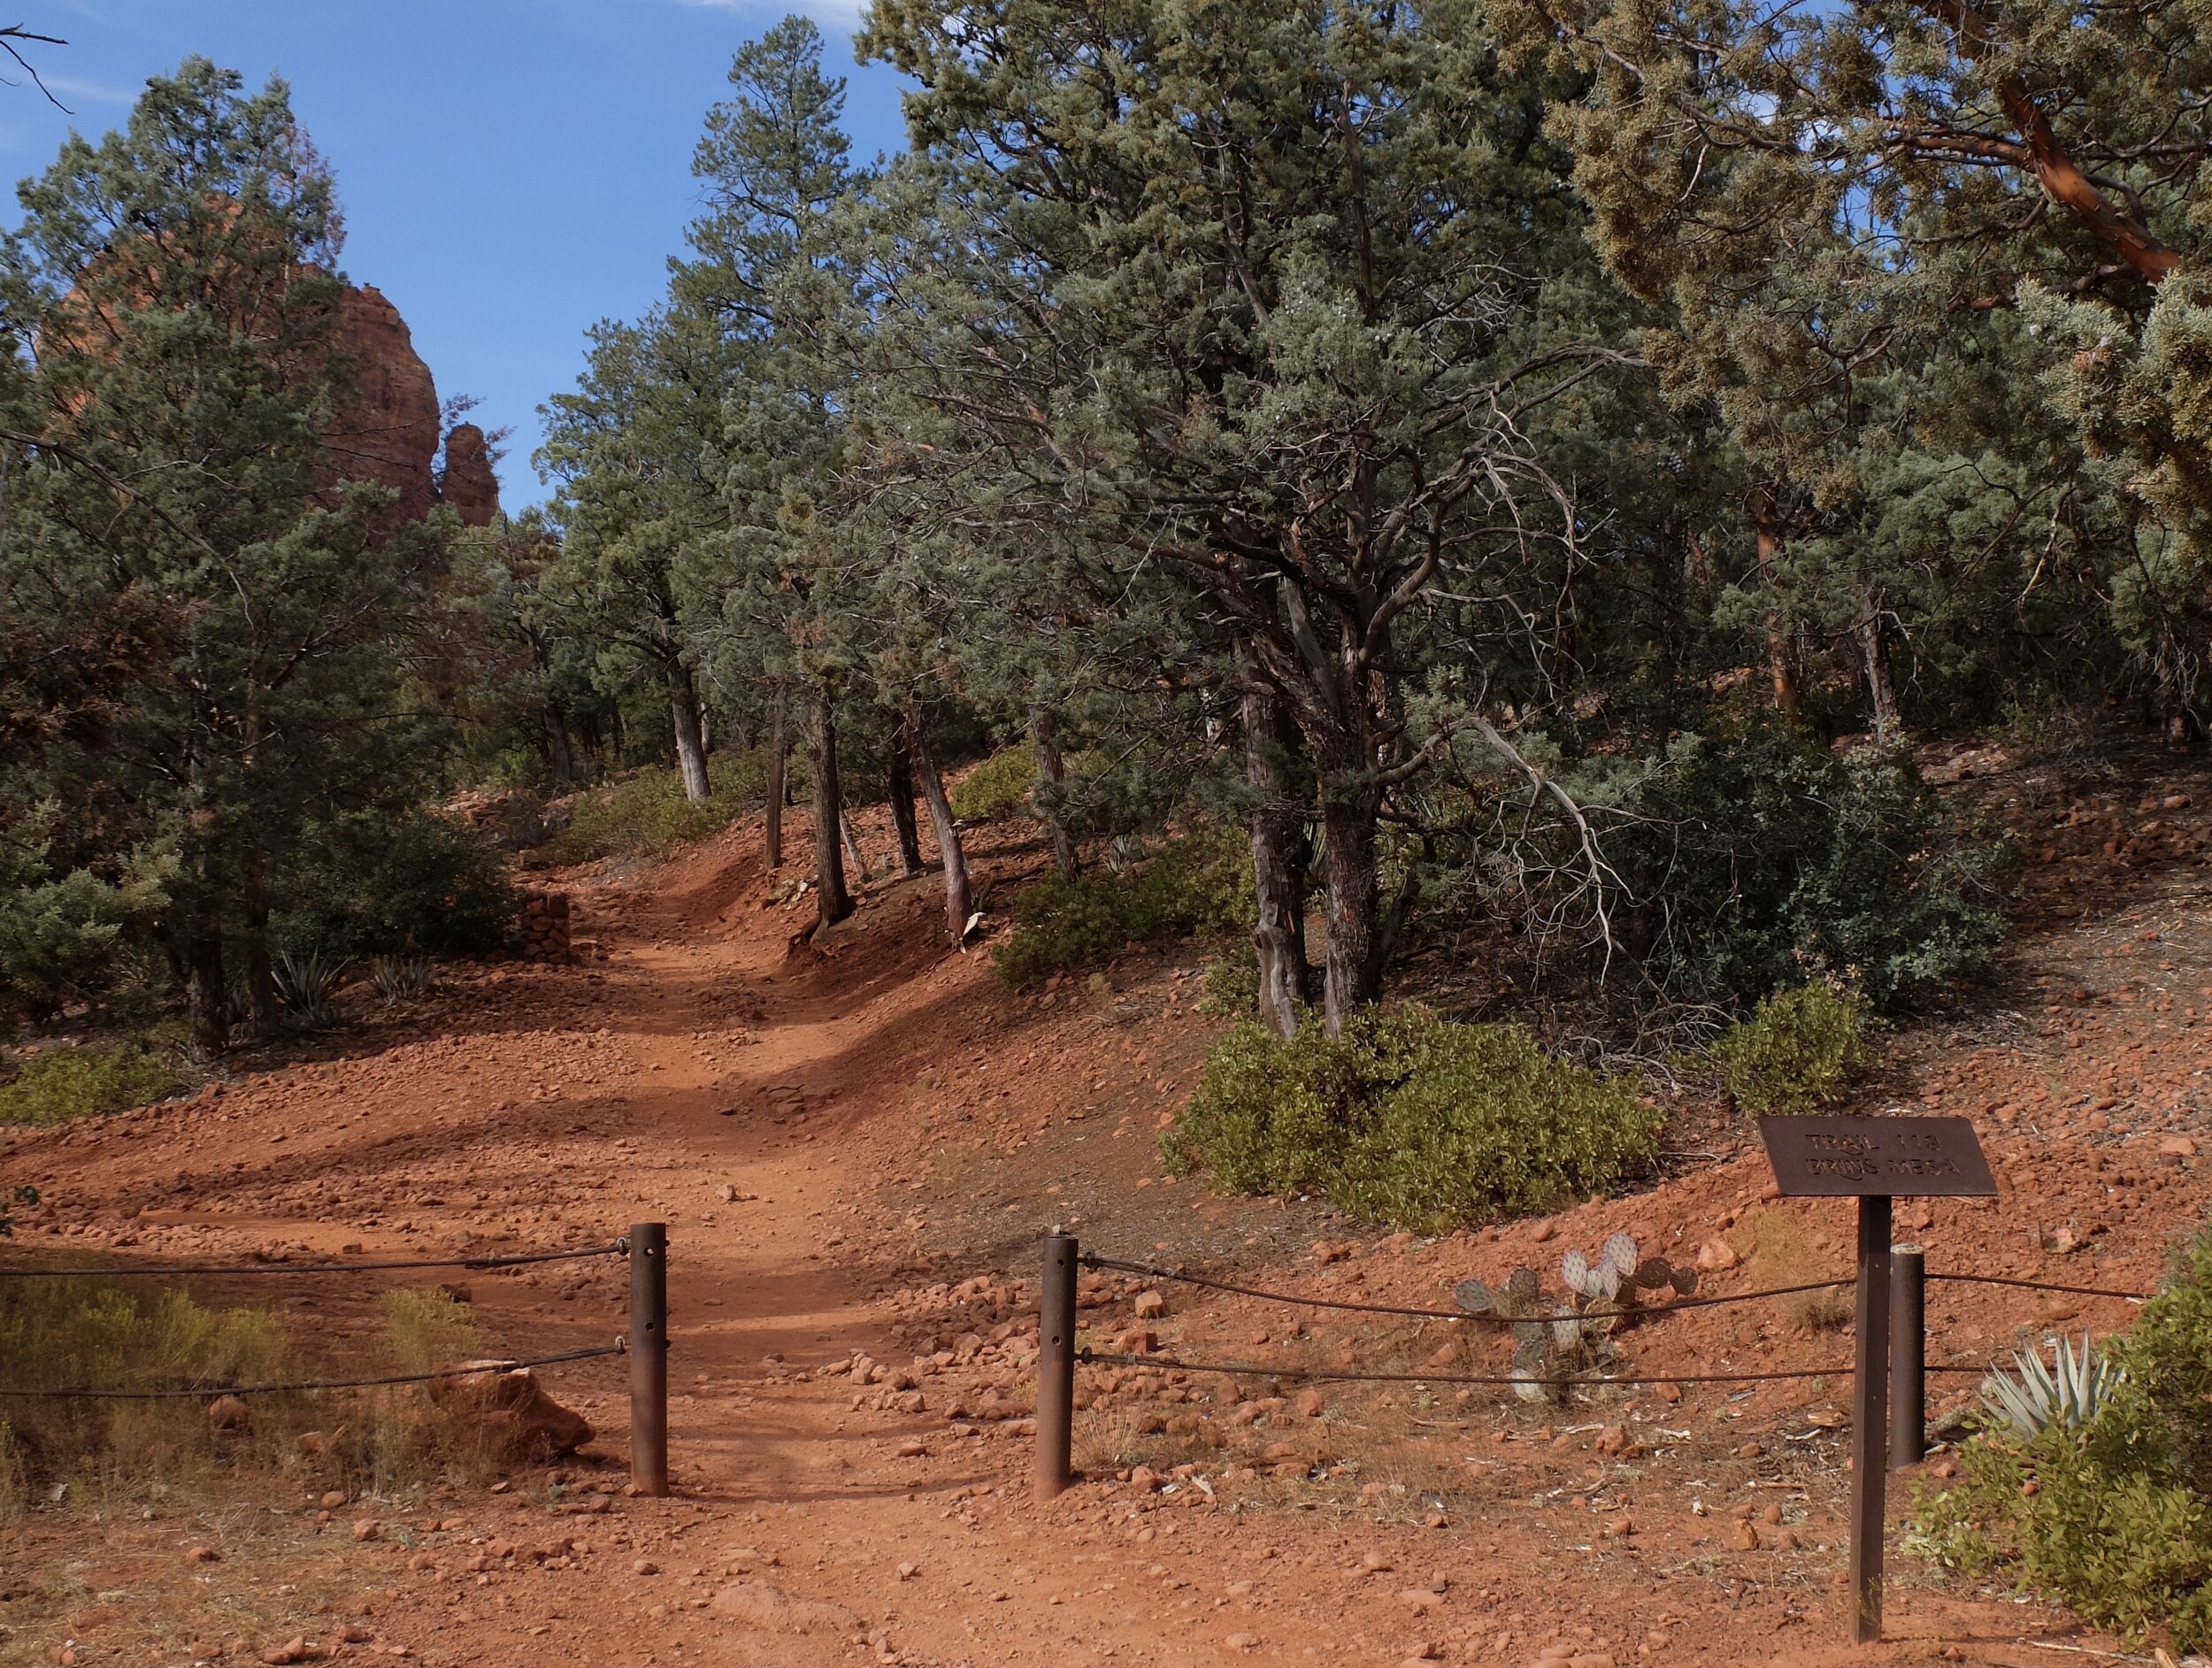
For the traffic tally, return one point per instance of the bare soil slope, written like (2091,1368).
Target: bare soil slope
(857,1146)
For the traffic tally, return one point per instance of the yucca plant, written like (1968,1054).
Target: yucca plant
(307,983)
(2068,1393)
(395,977)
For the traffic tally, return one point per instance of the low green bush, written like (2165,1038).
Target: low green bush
(997,788)
(2114,1517)
(70,937)
(645,814)
(1799,1050)
(1761,854)
(61,1083)
(1200,886)
(1409,1120)
(373,886)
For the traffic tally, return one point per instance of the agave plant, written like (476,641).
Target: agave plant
(307,983)
(395,977)
(2068,1393)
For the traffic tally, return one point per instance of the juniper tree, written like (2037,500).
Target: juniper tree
(1252,298)
(635,497)
(1891,232)
(170,296)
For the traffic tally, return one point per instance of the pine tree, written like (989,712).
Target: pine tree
(173,294)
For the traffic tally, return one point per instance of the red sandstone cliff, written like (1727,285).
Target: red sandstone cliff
(389,435)
(469,485)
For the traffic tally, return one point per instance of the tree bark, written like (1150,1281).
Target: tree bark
(266,1013)
(834,902)
(779,749)
(852,848)
(1279,859)
(901,783)
(1352,975)
(959,899)
(1874,658)
(560,752)
(1782,662)
(206,990)
(691,744)
(1054,769)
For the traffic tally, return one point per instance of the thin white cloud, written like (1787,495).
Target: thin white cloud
(832,11)
(77,89)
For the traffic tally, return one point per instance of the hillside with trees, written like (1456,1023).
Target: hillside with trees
(1582,571)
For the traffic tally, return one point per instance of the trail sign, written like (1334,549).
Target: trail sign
(1873,1160)
(1898,1157)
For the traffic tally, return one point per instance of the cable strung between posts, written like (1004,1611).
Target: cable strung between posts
(1645,1310)
(620,1248)
(1171,1364)
(2040,1286)
(209,1393)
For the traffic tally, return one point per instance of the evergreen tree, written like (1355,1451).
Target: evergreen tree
(172,295)
(1257,300)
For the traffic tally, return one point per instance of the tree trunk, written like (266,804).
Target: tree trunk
(959,900)
(691,745)
(852,850)
(1782,662)
(1280,858)
(265,1011)
(206,989)
(1352,977)
(779,749)
(1054,769)
(560,753)
(1874,657)
(901,773)
(834,902)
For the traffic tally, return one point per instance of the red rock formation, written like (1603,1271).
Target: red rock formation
(390,433)
(469,485)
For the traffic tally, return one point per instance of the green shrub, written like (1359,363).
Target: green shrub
(370,886)
(68,938)
(998,787)
(1761,854)
(645,814)
(1799,1050)
(1409,1120)
(1200,886)
(2114,1517)
(65,1083)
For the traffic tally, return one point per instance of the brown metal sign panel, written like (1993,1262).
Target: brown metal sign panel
(1848,1158)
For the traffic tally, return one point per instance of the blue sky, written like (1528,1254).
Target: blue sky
(512,170)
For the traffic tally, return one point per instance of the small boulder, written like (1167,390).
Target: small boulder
(227,1413)
(509,1411)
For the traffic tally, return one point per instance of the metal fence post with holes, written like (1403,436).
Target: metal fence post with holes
(1870,1419)
(648,1357)
(1056,1367)
(1875,1160)
(1908,1357)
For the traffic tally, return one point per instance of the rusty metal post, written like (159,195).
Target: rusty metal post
(1870,1420)
(1908,1357)
(1056,1367)
(648,1357)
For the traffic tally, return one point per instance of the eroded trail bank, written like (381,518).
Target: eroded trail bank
(856,1148)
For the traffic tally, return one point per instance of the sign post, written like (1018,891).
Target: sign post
(1873,1160)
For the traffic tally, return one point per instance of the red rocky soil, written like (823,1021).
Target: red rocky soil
(856,1151)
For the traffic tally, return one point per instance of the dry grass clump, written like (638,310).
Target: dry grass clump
(1777,1244)
(84,1333)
